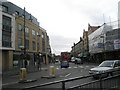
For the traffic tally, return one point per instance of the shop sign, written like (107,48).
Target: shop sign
(117,44)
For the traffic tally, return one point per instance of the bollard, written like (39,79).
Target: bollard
(52,71)
(23,74)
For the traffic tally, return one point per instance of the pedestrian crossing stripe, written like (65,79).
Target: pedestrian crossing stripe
(82,67)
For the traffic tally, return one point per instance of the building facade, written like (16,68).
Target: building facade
(104,42)
(77,49)
(7,37)
(22,38)
(91,29)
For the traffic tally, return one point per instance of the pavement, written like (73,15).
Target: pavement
(30,77)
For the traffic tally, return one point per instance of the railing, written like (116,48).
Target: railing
(111,82)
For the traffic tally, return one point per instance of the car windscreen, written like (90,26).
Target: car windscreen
(106,64)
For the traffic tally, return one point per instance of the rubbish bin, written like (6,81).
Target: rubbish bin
(52,71)
(23,74)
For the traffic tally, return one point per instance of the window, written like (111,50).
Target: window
(19,42)
(19,27)
(43,45)
(42,35)
(6,23)
(33,33)
(27,31)
(4,8)
(38,46)
(16,12)
(38,36)
(15,63)
(6,40)
(37,33)
(27,44)
(34,45)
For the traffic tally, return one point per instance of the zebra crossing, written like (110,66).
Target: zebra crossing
(75,67)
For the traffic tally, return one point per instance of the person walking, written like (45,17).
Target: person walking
(25,63)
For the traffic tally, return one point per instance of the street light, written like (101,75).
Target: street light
(24,46)
(38,55)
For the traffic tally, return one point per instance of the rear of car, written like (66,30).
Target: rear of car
(64,64)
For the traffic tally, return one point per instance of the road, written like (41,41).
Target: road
(60,74)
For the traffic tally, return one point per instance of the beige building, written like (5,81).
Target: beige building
(85,40)
(22,39)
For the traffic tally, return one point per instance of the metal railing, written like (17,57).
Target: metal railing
(111,82)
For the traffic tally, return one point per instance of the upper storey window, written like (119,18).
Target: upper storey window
(4,8)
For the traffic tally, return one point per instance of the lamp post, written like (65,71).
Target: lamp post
(25,62)
(24,34)
(38,55)
(23,48)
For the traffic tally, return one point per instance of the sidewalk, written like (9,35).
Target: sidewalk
(6,80)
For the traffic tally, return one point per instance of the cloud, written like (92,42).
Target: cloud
(60,44)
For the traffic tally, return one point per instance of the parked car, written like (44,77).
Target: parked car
(73,59)
(64,64)
(78,61)
(57,60)
(105,66)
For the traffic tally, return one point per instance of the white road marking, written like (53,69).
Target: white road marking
(57,68)
(81,66)
(9,83)
(87,66)
(67,75)
(75,67)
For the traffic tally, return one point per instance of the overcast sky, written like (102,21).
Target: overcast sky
(64,20)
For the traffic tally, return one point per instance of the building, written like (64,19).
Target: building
(104,42)
(91,29)
(85,40)
(7,37)
(22,38)
(77,49)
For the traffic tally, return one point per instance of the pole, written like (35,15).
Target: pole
(38,56)
(24,34)
(24,42)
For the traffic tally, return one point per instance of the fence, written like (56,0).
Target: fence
(111,82)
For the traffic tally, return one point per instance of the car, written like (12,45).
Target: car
(73,59)
(57,60)
(78,61)
(105,66)
(64,64)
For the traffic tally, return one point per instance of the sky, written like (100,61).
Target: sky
(65,20)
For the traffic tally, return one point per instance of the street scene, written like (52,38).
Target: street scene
(59,44)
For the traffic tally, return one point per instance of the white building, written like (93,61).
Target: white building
(7,36)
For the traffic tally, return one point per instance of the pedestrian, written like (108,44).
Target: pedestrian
(25,63)
(38,65)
